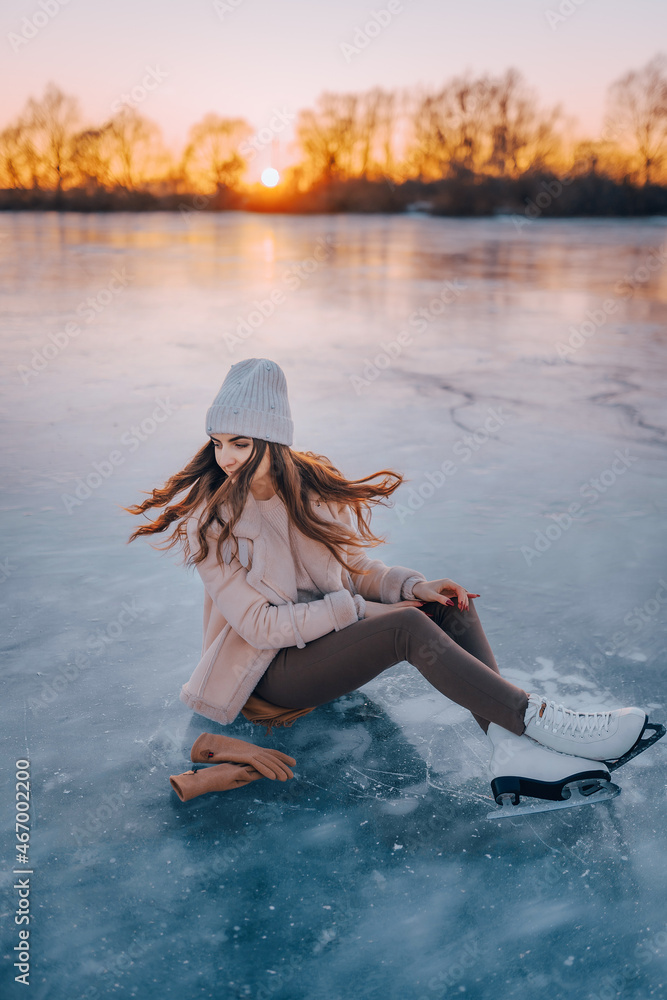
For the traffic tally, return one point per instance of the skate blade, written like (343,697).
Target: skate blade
(657,731)
(576,798)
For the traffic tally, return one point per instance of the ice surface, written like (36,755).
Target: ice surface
(373,873)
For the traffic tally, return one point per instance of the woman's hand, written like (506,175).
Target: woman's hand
(374,608)
(433,590)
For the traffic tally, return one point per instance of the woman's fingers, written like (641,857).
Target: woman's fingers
(435,595)
(467,600)
(462,598)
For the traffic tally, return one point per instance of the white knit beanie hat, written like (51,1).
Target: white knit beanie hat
(253,401)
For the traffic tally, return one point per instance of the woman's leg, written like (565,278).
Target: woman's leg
(466,630)
(340,662)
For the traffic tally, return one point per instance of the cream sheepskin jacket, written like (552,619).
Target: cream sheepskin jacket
(251,609)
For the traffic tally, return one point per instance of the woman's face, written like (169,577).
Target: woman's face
(232,450)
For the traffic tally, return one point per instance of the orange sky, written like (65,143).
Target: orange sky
(263,60)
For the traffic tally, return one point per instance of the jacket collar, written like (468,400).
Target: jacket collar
(250,521)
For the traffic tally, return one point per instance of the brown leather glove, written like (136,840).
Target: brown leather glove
(210,747)
(212,779)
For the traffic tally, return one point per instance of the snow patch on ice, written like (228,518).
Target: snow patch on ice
(399,807)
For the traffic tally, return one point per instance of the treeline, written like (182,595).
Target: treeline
(477,146)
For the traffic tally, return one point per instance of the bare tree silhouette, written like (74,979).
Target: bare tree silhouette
(134,140)
(447,133)
(475,144)
(490,125)
(375,133)
(92,152)
(521,137)
(327,136)
(49,127)
(348,135)
(18,158)
(638,100)
(212,155)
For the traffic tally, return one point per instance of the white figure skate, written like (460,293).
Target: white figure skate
(596,735)
(519,766)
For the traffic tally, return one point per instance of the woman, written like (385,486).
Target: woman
(295,613)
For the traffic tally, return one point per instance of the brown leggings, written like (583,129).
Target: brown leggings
(450,649)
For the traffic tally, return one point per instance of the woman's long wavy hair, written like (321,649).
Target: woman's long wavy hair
(294,473)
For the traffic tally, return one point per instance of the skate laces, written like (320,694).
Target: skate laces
(561,720)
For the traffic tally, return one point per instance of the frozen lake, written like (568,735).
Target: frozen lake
(515,374)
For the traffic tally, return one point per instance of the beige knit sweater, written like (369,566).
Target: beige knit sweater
(274,512)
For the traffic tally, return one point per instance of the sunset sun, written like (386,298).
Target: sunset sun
(270,177)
